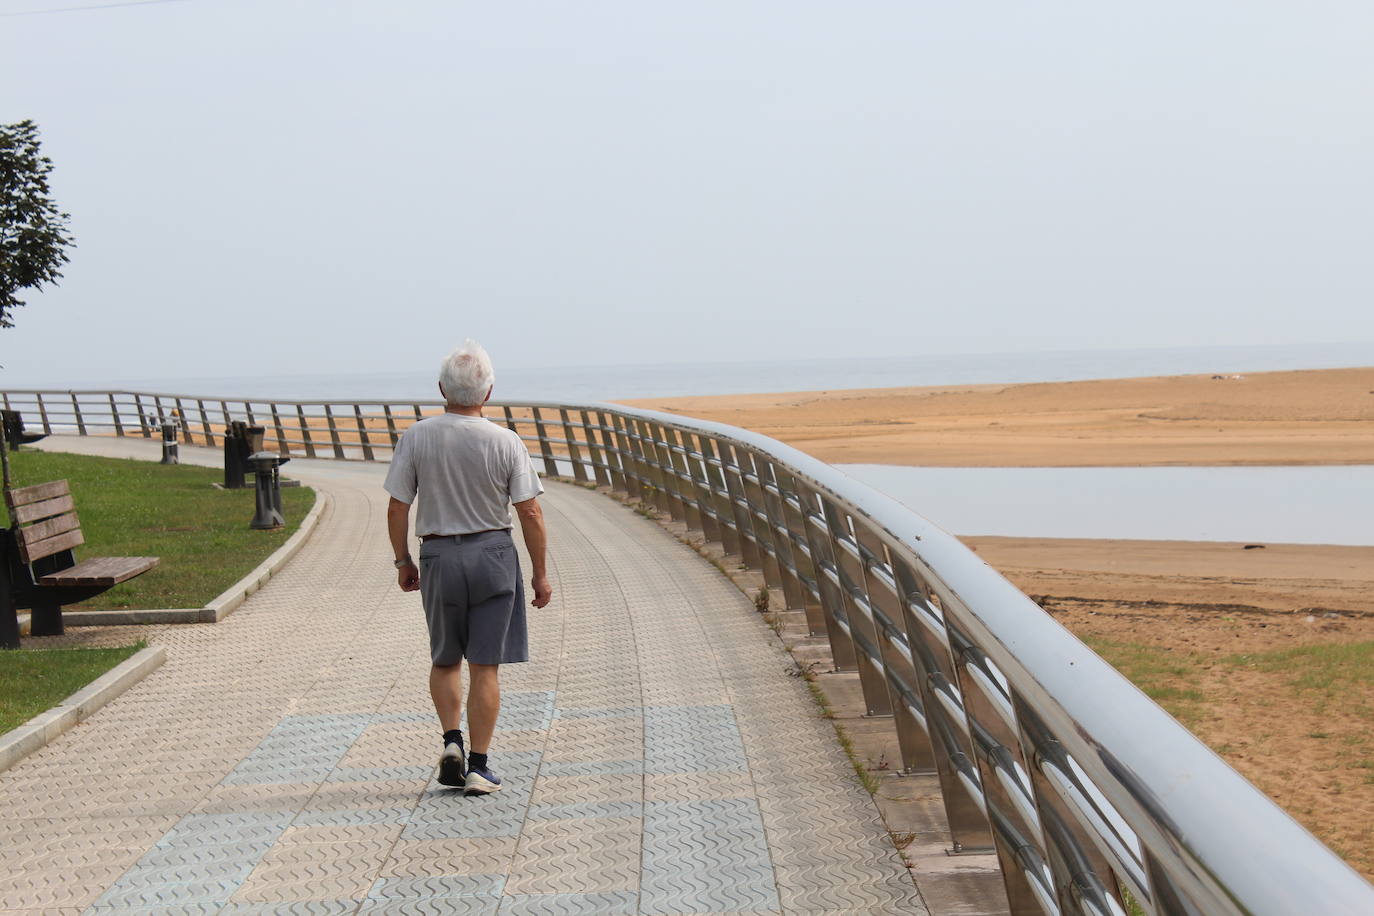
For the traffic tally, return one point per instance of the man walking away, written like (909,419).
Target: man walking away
(467,471)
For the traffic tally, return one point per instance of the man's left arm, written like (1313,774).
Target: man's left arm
(398,528)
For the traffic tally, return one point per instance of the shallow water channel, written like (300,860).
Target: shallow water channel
(1294,505)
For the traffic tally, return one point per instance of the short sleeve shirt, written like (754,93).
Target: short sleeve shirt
(466,472)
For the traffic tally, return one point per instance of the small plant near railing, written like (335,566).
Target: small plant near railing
(763,599)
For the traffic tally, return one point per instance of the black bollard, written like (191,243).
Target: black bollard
(267,514)
(169,443)
(234,455)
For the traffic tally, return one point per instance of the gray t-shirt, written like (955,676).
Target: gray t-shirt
(466,470)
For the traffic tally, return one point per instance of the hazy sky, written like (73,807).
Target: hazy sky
(269,186)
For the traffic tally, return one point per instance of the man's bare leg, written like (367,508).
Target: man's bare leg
(446,689)
(484,705)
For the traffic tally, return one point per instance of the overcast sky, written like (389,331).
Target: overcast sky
(269,186)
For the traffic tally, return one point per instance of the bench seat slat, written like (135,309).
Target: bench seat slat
(22,496)
(100,571)
(49,546)
(46,508)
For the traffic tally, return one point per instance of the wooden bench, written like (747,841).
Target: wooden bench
(39,570)
(15,434)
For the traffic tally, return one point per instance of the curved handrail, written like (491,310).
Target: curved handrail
(1081,783)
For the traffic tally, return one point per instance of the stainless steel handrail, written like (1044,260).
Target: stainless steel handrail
(1043,751)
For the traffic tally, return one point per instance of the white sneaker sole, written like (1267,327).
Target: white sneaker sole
(477,785)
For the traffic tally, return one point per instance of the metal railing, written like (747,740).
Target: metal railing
(1081,784)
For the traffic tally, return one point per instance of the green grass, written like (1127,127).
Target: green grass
(1337,671)
(137,508)
(33,680)
(1168,678)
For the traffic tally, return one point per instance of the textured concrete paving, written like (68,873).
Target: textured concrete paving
(658,756)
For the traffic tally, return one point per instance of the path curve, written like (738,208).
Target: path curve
(659,756)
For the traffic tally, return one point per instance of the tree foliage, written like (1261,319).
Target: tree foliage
(33,232)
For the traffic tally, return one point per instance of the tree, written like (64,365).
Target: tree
(33,232)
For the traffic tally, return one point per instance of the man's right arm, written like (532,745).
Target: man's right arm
(532,527)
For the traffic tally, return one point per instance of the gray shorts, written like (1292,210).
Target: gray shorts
(474,599)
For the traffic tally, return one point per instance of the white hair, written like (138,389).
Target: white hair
(466,375)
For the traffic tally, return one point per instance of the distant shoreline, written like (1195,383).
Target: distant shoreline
(1304,417)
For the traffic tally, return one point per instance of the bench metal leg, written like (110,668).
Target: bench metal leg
(9,625)
(46,620)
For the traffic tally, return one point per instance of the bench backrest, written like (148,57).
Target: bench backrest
(45,520)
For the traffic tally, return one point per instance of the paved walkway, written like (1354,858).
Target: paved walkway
(658,756)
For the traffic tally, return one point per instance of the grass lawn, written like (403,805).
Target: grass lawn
(138,508)
(33,680)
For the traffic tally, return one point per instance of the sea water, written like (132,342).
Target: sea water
(616,382)
(1290,505)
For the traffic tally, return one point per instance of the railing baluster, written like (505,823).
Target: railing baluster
(305,431)
(362,433)
(334,432)
(574,455)
(76,412)
(142,417)
(114,415)
(390,426)
(283,447)
(550,466)
(205,423)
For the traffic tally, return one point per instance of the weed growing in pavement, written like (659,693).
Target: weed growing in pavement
(762,599)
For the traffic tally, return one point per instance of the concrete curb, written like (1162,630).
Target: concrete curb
(223,605)
(46,726)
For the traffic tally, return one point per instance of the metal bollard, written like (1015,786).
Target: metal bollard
(235,455)
(266,468)
(169,443)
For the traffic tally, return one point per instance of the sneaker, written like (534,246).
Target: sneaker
(453,765)
(481,782)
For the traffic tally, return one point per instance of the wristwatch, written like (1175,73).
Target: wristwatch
(407,561)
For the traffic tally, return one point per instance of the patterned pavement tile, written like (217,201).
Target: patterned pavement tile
(657,758)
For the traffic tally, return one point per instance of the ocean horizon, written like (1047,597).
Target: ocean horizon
(624,382)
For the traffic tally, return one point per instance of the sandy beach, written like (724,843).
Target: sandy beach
(1232,640)
(1307,417)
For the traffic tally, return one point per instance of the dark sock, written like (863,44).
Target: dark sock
(477,761)
(453,736)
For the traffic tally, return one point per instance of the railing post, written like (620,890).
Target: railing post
(305,431)
(947,722)
(205,423)
(677,468)
(334,432)
(636,481)
(43,414)
(695,460)
(762,525)
(574,455)
(181,421)
(362,433)
(142,417)
(391,426)
(750,552)
(726,526)
(283,447)
(114,416)
(550,465)
(76,411)
(798,551)
(862,629)
(600,465)
(157,406)
(615,465)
